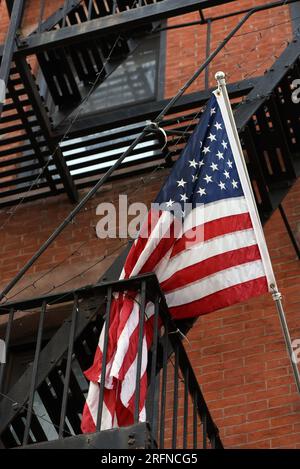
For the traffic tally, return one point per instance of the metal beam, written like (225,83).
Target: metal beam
(8,50)
(267,83)
(44,122)
(134,437)
(126,20)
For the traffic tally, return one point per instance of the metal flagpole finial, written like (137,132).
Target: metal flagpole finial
(221,80)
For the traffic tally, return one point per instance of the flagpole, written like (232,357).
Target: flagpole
(276,295)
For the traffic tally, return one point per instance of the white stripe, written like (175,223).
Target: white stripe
(210,248)
(204,213)
(125,336)
(216,282)
(128,384)
(247,189)
(124,339)
(225,208)
(92,402)
(143,415)
(161,229)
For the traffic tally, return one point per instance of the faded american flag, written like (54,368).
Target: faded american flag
(215,259)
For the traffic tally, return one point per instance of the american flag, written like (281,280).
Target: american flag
(214,257)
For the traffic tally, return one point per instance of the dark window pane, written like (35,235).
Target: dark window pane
(132,82)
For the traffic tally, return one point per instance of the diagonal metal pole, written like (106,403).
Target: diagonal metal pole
(129,150)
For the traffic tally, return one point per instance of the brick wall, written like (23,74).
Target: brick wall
(251,52)
(238,353)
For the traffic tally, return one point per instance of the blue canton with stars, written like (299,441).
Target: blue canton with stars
(206,170)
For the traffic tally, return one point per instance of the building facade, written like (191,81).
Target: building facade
(238,354)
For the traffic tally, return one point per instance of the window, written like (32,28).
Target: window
(138,79)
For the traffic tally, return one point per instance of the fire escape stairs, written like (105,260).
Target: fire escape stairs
(71,71)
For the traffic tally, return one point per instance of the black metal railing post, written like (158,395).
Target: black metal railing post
(185,408)
(90,9)
(175,398)
(165,344)
(204,430)
(34,372)
(6,344)
(104,358)
(68,368)
(195,421)
(140,351)
(152,385)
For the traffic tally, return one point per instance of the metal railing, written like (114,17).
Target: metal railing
(46,402)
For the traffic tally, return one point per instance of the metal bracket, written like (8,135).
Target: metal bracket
(153,127)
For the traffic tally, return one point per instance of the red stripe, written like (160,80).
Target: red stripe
(87,423)
(143,394)
(125,311)
(131,353)
(212,229)
(211,266)
(221,299)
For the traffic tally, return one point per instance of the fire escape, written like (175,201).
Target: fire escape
(77,49)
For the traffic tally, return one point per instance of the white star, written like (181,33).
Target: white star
(222,185)
(214,167)
(201,191)
(213,111)
(229,164)
(226,174)
(181,183)
(218,126)
(212,137)
(207,178)
(201,163)
(193,163)
(200,144)
(194,177)
(184,198)
(234,184)
(220,155)
(224,144)
(206,150)
(170,203)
